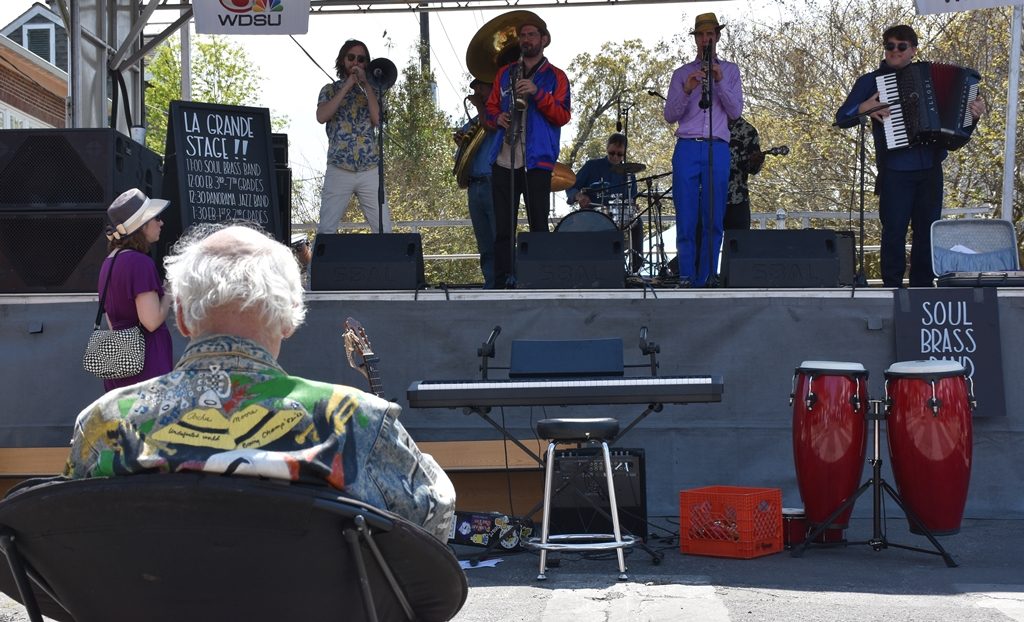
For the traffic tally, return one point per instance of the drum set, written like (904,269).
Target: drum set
(927,405)
(614,208)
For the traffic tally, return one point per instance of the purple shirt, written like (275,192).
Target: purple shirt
(726,102)
(134,274)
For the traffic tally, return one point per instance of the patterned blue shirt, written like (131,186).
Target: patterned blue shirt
(353,143)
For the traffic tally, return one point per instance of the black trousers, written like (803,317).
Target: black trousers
(535,185)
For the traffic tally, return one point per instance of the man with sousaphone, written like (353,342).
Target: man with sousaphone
(527,109)
(473,172)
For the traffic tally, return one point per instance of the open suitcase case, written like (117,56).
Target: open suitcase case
(975,252)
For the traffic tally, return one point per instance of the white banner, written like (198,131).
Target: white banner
(251,17)
(925,7)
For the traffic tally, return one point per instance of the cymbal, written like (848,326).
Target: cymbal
(628,167)
(562,177)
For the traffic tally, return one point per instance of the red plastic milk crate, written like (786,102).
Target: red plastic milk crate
(730,521)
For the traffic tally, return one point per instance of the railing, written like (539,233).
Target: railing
(759,220)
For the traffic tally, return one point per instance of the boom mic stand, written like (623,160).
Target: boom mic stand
(877,485)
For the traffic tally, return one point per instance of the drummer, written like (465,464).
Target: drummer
(598,184)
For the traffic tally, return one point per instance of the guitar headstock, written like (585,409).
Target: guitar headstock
(357,344)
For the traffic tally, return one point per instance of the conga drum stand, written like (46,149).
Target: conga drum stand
(877,485)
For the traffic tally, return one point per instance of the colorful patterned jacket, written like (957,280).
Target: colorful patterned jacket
(228,407)
(546,112)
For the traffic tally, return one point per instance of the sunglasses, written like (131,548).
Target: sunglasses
(901,46)
(359,58)
(617,153)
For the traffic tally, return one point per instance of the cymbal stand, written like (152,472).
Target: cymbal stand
(656,231)
(878,540)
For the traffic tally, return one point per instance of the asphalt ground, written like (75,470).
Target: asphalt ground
(845,582)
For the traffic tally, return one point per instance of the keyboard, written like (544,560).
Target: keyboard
(894,126)
(564,391)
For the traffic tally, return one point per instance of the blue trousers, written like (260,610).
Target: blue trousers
(481,212)
(914,199)
(696,221)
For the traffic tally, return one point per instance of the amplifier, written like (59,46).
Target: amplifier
(579,476)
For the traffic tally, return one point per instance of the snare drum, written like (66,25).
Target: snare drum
(585,220)
(622,212)
(830,401)
(930,440)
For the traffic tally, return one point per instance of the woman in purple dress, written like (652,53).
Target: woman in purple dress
(136,295)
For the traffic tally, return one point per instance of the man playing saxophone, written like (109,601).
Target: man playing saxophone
(528,109)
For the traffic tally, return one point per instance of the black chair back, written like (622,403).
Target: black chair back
(203,547)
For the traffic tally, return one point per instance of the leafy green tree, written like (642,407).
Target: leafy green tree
(418,152)
(221,74)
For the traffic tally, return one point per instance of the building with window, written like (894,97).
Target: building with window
(33,70)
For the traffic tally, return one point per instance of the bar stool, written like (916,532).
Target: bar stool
(563,431)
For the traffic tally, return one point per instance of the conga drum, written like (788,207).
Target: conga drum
(830,401)
(930,440)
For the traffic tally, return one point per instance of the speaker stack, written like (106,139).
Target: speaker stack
(279,145)
(582,503)
(55,187)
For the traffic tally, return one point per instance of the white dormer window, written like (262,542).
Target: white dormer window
(40,39)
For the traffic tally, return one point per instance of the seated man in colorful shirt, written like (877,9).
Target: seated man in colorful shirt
(228,407)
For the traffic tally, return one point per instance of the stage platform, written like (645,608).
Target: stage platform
(753,339)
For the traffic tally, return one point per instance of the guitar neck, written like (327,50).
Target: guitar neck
(373,376)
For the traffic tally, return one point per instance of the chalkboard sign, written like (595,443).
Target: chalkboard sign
(220,166)
(958,324)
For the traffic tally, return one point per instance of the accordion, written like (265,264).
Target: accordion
(930,105)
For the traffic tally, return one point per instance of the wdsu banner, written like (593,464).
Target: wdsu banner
(251,17)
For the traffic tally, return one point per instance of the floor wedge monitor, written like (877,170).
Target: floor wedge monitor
(367,261)
(780,258)
(570,260)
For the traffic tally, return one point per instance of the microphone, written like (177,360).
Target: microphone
(654,93)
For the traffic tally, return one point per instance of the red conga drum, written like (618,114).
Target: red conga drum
(930,440)
(830,401)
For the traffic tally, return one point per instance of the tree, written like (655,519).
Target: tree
(221,73)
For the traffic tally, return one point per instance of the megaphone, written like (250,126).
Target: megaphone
(382,73)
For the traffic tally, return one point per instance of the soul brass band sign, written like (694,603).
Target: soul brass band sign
(221,163)
(958,324)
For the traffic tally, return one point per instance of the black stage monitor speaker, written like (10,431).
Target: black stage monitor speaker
(55,187)
(360,261)
(579,475)
(780,258)
(570,260)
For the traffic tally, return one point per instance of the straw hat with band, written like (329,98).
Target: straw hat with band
(702,21)
(130,212)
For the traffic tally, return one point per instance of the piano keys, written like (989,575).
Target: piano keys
(931,105)
(564,391)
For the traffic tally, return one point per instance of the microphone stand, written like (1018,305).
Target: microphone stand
(380,163)
(708,226)
(860,280)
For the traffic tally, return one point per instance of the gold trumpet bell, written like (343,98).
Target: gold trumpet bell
(496,44)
